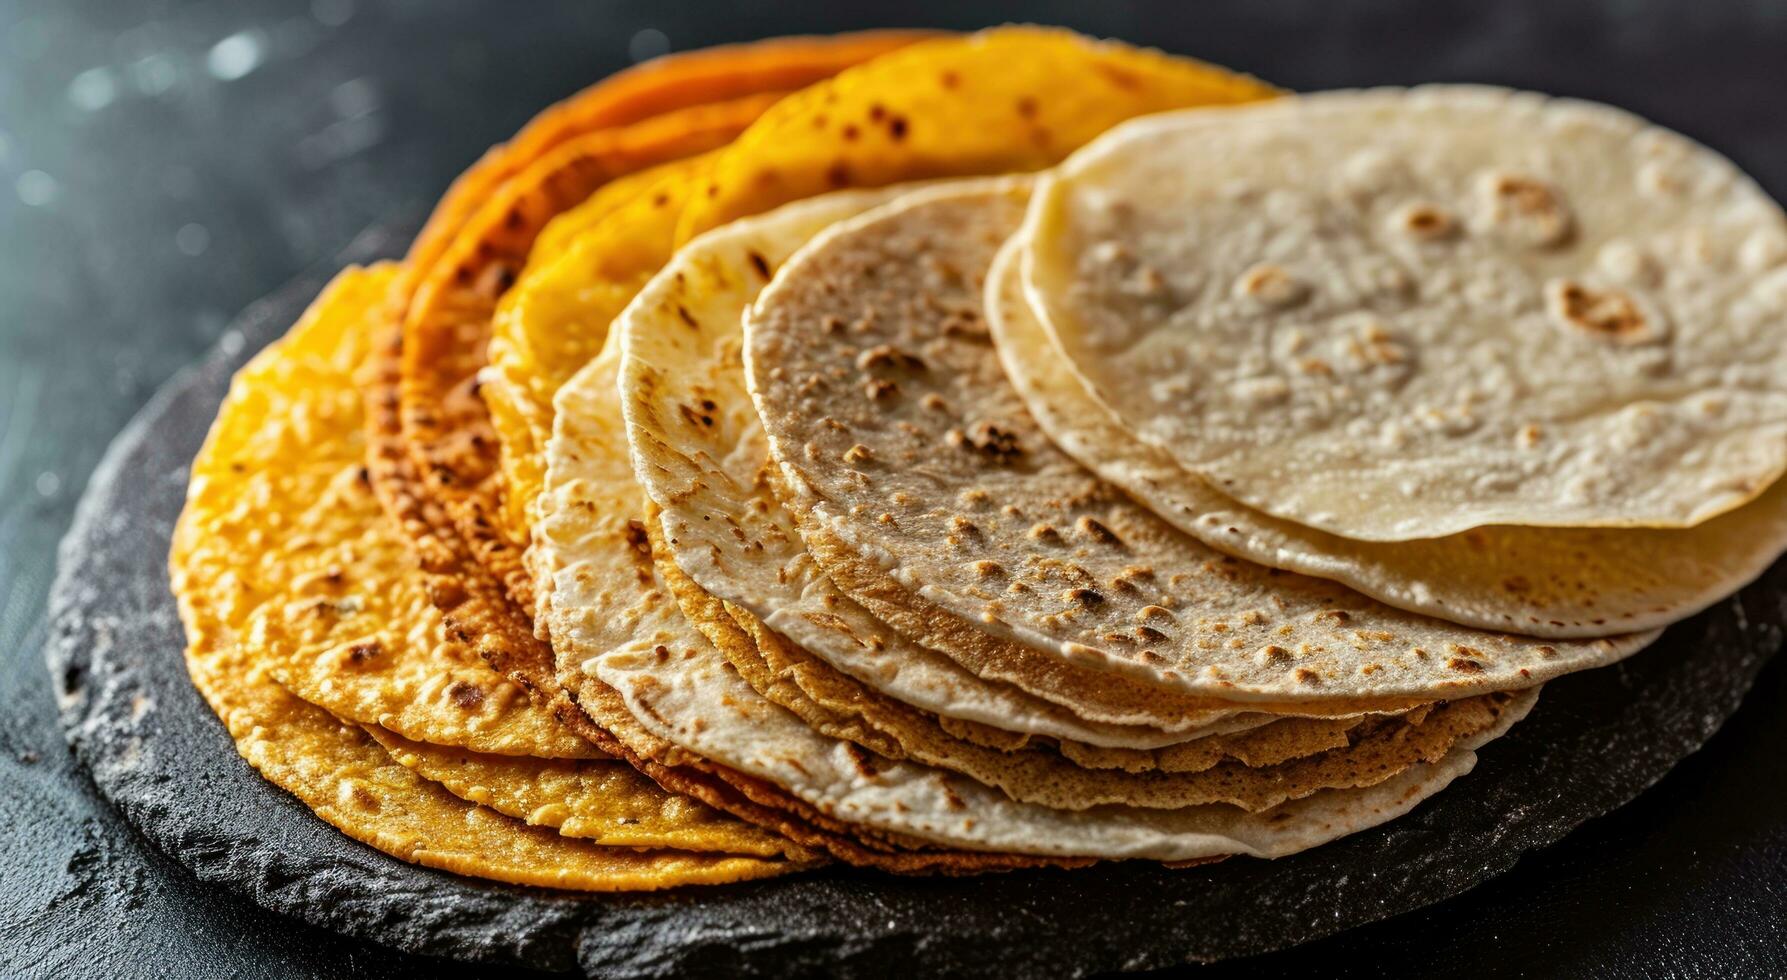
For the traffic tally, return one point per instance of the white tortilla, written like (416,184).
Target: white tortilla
(695,701)
(1400,314)
(1554,582)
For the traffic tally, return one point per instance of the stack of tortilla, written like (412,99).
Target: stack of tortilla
(962,453)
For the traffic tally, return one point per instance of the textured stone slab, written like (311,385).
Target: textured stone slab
(156,752)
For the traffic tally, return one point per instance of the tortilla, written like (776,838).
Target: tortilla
(698,450)
(402,672)
(1552,582)
(445,424)
(593,564)
(652,88)
(693,699)
(999,101)
(262,560)
(605,801)
(1401,314)
(1329,755)
(599,592)
(686,105)
(913,457)
(557,317)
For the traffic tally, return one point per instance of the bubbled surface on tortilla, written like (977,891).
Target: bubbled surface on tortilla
(883,398)
(1397,314)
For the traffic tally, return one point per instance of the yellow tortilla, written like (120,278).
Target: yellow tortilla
(263,559)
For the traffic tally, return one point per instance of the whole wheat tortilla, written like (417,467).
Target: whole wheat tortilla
(698,450)
(907,448)
(1399,314)
(693,699)
(1324,755)
(599,592)
(264,559)
(651,679)
(1555,582)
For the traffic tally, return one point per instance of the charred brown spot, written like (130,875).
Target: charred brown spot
(638,539)
(1092,528)
(361,653)
(888,356)
(760,263)
(687,317)
(878,389)
(1465,665)
(1084,597)
(1606,314)
(989,438)
(860,758)
(465,694)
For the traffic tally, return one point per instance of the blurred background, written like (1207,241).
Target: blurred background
(163,164)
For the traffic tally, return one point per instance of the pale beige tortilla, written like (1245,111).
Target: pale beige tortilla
(1322,755)
(1556,582)
(950,490)
(694,700)
(1400,314)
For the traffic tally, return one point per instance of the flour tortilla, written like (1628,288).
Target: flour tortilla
(695,700)
(1552,582)
(698,450)
(949,490)
(1398,314)
(1327,756)
(264,559)
(599,593)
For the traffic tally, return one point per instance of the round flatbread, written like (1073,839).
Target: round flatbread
(267,558)
(1399,314)
(693,699)
(1553,582)
(699,452)
(904,444)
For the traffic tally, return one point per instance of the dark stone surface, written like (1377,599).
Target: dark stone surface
(106,292)
(1595,741)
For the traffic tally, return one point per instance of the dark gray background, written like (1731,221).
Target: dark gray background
(147,195)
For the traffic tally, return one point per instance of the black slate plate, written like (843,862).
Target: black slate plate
(156,752)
